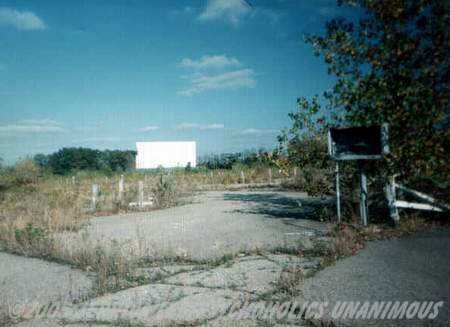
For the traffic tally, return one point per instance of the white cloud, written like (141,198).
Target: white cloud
(231,11)
(214,126)
(215,72)
(22,20)
(256,131)
(201,82)
(200,126)
(188,126)
(207,62)
(32,126)
(148,128)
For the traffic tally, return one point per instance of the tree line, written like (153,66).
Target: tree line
(67,160)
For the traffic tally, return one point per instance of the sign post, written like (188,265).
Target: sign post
(357,144)
(363,203)
(338,194)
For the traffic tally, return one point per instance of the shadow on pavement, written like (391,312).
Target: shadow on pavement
(279,205)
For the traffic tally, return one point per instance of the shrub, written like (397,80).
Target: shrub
(165,192)
(33,240)
(25,172)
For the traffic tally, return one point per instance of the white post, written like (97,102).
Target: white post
(270,175)
(242,177)
(121,187)
(141,194)
(94,196)
(391,199)
(295,171)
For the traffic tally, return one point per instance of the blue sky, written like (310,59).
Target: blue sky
(105,74)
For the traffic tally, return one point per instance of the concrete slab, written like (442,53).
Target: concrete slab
(217,223)
(25,280)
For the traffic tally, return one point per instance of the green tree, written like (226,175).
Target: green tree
(305,142)
(41,160)
(392,65)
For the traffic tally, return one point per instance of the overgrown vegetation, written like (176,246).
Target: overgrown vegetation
(392,65)
(229,160)
(35,204)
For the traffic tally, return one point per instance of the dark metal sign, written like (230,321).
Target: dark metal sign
(358,143)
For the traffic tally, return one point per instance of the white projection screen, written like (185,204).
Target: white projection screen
(152,155)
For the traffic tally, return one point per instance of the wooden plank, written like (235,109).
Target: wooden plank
(416,193)
(418,206)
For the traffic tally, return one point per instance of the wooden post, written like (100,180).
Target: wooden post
(141,194)
(295,171)
(338,194)
(121,187)
(242,177)
(363,206)
(94,196)
(73,180)
(391,198)
(270,175)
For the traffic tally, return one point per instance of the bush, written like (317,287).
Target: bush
(165,193)
(34,240)
(25,172)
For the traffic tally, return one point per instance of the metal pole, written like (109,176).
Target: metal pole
(363,206)
(338,194)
